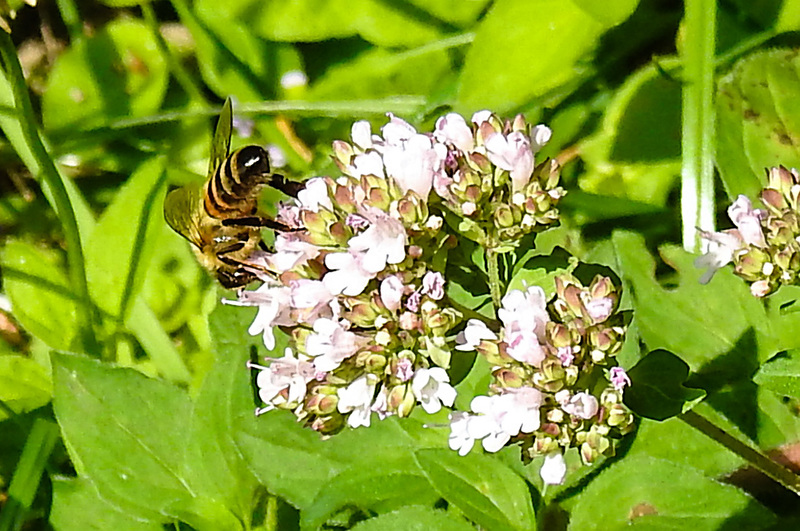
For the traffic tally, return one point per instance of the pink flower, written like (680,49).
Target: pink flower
(288,374)
(619,378)
(721,247)
(404,369)
(392,290)
(346,274)
(511,153)
(273,301)
(331,343)
(581,405)
(290,252)
(453,129)
(748,221)
(433,285)
(384,242)
(311,299)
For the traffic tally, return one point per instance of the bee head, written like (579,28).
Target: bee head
(252,160)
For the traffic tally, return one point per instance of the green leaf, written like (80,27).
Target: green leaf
(78,507)
(116,73)
(657,390)
(317,20)
(214,465)
(379,73)
(24,384)
(781,374)
(40,295)
(414,518)
(388,486)
(119,250)
(541,271)
(636,152)
(758,116)
(655,494)
(124,431)
(697,322)
(484,489)
(505,66)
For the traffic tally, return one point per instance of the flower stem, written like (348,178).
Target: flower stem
(494,277)
(697,174)
(774,470)
(49,176)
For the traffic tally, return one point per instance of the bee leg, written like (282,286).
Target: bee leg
(290,188)
(258,221)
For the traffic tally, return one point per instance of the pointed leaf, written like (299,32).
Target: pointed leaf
(484,489)
(657,390)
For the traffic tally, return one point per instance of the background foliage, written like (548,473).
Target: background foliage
(128,391)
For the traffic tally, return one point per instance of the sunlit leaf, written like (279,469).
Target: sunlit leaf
(118,72)
(24,384)
(481,487)
(758,117)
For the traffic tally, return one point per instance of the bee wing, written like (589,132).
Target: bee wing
(221,144)
(181,212)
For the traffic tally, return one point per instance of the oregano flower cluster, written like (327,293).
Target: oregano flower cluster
(764,246)
(360,286)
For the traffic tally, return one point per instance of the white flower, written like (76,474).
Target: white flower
(481,116)
(748,221)
(599,309)
(361,133)
(524,318)
(460,437)
(315,195)
(369,163)
(392,291)
(525,310)
(356,399)
(290,252)
(288,374)
(453,129)
(346,274)
(720,249)
(513,154)
(331,343)
(503,416)
(273,301)
(433,285)
(384,242)
(475,332)
(293,79)
(432,389)
(581,405)
(414,163)
(554,469)
(381,404)
(540,135)
(311,299)
(397,130)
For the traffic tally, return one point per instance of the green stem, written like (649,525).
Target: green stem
(50,177)
(495,288)
(697,174)
(72,18)
(25,482)
(778,472)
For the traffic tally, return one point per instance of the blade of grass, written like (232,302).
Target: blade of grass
(47,172)
(25,482)
(697,174)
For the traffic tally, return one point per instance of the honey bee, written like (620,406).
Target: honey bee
(220,218)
